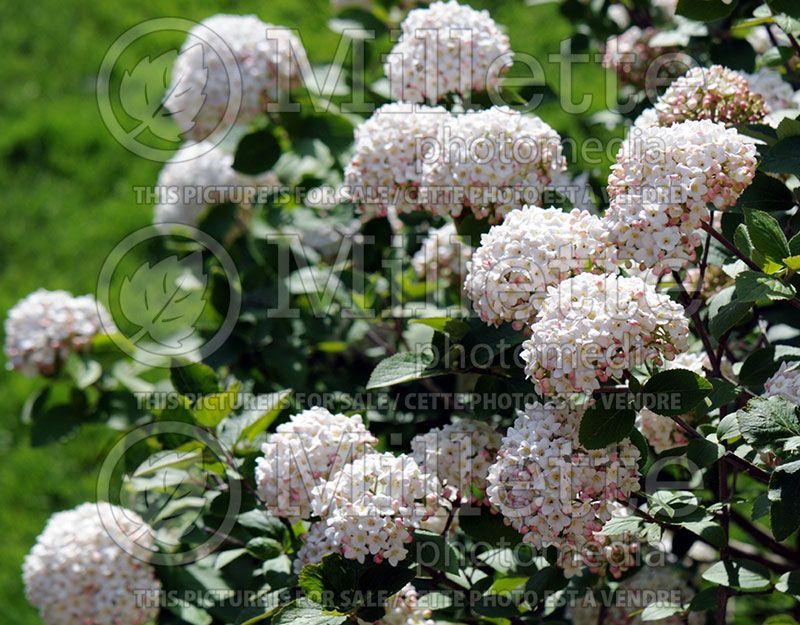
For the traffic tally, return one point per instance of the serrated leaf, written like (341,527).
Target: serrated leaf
(766,422)
(766,234)
(763,363)
(765,193)
(729,316)
(753,286)
(658,611)
(155,299)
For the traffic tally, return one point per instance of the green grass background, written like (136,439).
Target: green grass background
(67,198)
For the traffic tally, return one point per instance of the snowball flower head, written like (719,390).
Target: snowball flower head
(631,56)
(592,328)
(385,171)
(442,255)
(459,454)
(533,249)
(785,383)
(85,568)
(198,176)
(229,68)
(447,48)
(45,327)
(303,453)
(770,85)
(640,588)
(558,494)
(491,162)
(662,183)
(716,93)
(371,507)
(662,432)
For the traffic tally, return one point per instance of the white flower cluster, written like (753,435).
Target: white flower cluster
(554,492)
(592,328)
(491,162)
(386,168)
(402,609)
(647,582)
(662,183)
(716,93)
(198,176)
(45,327)
(458,455)
(785,383)
(229,68)
(305,452)
(770,85)
(372,506)
(533,249)
(442,255)
(444,49)
(662,432)
(84,568)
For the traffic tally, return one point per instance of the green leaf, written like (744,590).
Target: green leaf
(765,193)
(705,600)
(760,507)
(433,550)
(602,426)
(470,228)
(193,378)
(790,7)
(767,421)
(403,367)
(327,582)
(728,316)
(741,239)
(704,10)
(54,424)
(784,496)
(728,428)
(455,328)
(548,579)
(83,370)
(761,364)
(789,583)
(619,525)
(766,234)
(658,611)
(301,612)
(258,422)
(675,392)
(739,574)
(257,152)
(165,300)
(783,157)
(264,548)
(704,452)
(753,286)
(210,409)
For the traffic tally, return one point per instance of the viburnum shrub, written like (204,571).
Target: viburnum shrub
(472,377)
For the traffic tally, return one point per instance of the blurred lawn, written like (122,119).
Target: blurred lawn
(67,199)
